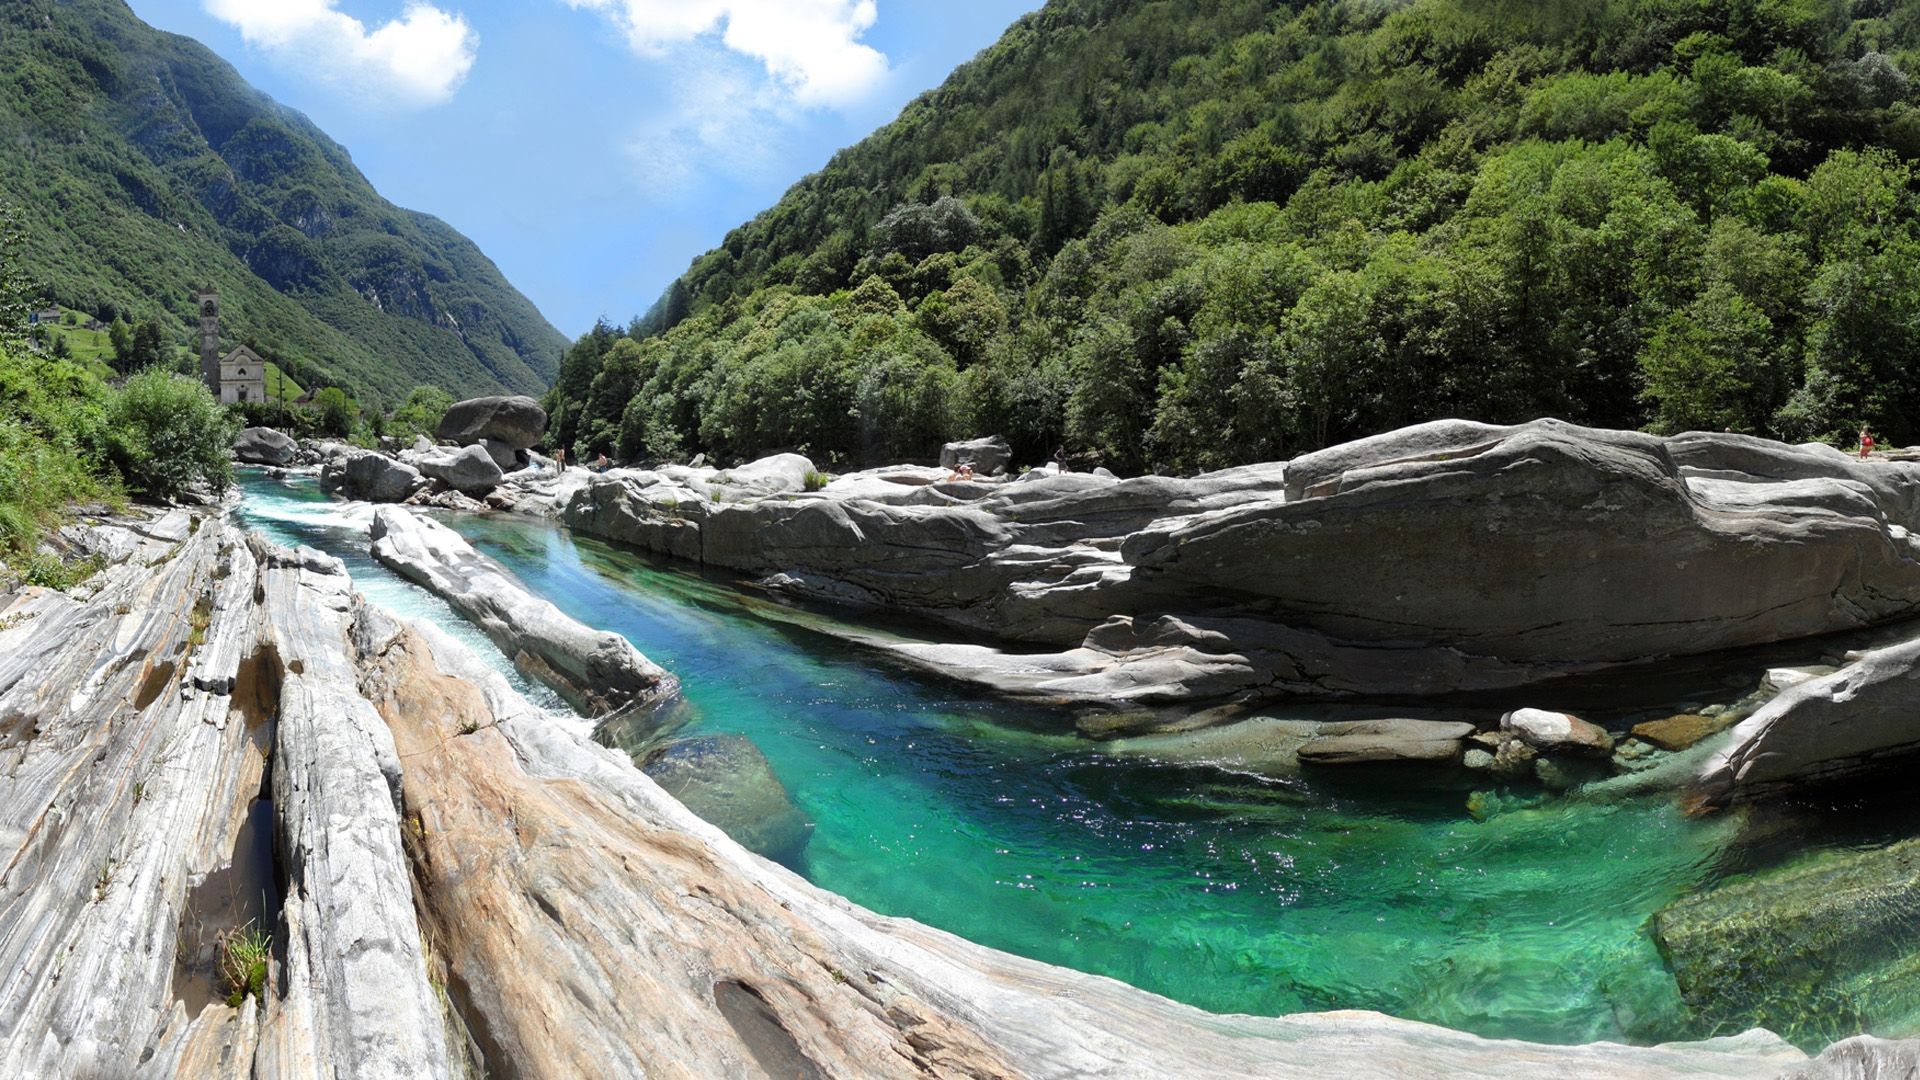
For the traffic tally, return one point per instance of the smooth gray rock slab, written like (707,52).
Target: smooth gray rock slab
(516,421)
(1365,742)
(1821,729)
(265,446)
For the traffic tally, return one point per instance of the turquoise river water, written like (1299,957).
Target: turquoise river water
(1232,892)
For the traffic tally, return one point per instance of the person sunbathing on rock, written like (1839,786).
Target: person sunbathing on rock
(961,471)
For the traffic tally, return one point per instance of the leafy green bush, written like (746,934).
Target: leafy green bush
(421,414)
(166,434)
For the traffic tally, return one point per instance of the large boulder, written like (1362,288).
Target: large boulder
(729,782)
(363,474)
(1558,732)
(517,421)
(469,470)
(989,456)
(265,446)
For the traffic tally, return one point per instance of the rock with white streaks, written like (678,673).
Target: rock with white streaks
(597,671)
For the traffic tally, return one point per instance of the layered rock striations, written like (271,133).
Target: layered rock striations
(1449,556)
(597,671)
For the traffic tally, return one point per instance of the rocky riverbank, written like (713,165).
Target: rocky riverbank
(202,672)
(1452,556)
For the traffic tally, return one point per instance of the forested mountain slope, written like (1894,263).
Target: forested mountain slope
(1188,233)
(144,165)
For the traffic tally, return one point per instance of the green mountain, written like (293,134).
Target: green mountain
(1189,233)
(143,166)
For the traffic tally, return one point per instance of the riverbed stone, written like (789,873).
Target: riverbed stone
(1681,731)
(1818,948)
(729,782)
(364,474)
(265,446)
(1558,732)
(517,421)
(1365,742)
(1781,679)
(1859,719)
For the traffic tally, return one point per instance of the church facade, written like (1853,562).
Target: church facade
(239,376)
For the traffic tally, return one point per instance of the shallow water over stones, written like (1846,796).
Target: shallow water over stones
(1507,912)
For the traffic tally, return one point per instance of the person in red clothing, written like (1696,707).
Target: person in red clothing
(1866,443)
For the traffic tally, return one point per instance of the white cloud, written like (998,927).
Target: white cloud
(723,118)
(811,48)
(418,59)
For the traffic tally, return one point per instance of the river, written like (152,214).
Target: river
(1507,913)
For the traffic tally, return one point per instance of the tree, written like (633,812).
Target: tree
(1708,367)
(149,345)
(120,336)
(339,415)
(17,293)
(166,435)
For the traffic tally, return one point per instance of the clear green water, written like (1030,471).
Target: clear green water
(1230,892)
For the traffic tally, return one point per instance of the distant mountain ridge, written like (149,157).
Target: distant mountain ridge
(145,166)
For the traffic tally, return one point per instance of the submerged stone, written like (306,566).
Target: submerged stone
(727,781)
(1383,741)
(1680,732)
(1816,950)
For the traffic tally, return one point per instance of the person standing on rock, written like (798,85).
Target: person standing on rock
(560,457)
(1866,442)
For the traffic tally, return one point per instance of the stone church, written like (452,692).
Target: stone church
(241,375)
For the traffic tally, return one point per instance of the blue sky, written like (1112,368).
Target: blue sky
(592,148)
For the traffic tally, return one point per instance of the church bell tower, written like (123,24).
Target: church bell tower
(210,339)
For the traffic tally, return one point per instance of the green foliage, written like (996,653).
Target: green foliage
(1185,236)
(243,954)
(338,414)
(165,434)
(421,413)
(147,168)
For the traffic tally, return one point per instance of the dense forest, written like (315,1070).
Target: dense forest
(145,166)
(1184,234)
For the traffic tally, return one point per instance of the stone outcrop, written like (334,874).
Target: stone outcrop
(598,672)
(265,446)
(1445,557)
(138,726)
(1823,729)
(469,470)
(989,456)
(364,474)
(517,422)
